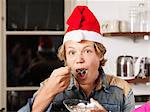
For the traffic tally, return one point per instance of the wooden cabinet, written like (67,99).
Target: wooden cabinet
(141,90)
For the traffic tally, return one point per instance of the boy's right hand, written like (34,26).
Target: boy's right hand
(58,81)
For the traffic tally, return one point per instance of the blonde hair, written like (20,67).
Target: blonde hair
(100,50)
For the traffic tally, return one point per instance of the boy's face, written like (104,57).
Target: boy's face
(82,56)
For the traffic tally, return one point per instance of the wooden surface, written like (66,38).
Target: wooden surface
(139,80)
(126,34)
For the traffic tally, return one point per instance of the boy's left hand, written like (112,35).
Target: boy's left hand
(99,108)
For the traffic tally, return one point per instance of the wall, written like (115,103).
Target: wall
(116,46)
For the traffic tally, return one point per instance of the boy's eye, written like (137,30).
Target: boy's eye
(87,51)
(71,52)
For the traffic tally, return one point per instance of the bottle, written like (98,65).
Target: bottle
(142,17)
(133,19)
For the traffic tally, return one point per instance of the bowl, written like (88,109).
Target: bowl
(76,105)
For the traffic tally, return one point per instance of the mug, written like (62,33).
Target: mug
(123,26)
(110,26)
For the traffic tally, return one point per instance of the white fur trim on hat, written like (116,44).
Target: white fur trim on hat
(78,35)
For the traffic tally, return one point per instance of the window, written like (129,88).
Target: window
(35,15)
(29,62)
(24,23)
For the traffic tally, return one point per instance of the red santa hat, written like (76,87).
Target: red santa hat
(45,44)
(83,25)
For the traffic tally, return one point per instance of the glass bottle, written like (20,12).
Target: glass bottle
(142,17)
(133,19)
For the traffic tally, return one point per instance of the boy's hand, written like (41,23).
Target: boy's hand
(99,108)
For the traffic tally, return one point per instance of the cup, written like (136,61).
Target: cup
(123,26)
(110,26)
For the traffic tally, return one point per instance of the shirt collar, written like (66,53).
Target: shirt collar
(102,82)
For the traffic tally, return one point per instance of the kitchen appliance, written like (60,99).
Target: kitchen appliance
(128,66)
(145,66)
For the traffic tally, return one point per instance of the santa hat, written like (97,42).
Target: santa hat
(83,25)
(45,44)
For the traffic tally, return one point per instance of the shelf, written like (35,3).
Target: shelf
(139,80)
(126,34)
(35,32)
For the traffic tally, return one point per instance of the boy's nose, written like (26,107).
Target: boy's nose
(80,59)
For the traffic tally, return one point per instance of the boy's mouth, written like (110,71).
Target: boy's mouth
(82,72)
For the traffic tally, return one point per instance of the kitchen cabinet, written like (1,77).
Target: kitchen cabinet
(141,90)
(140,86)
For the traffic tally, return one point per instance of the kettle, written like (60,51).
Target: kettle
(128,66)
